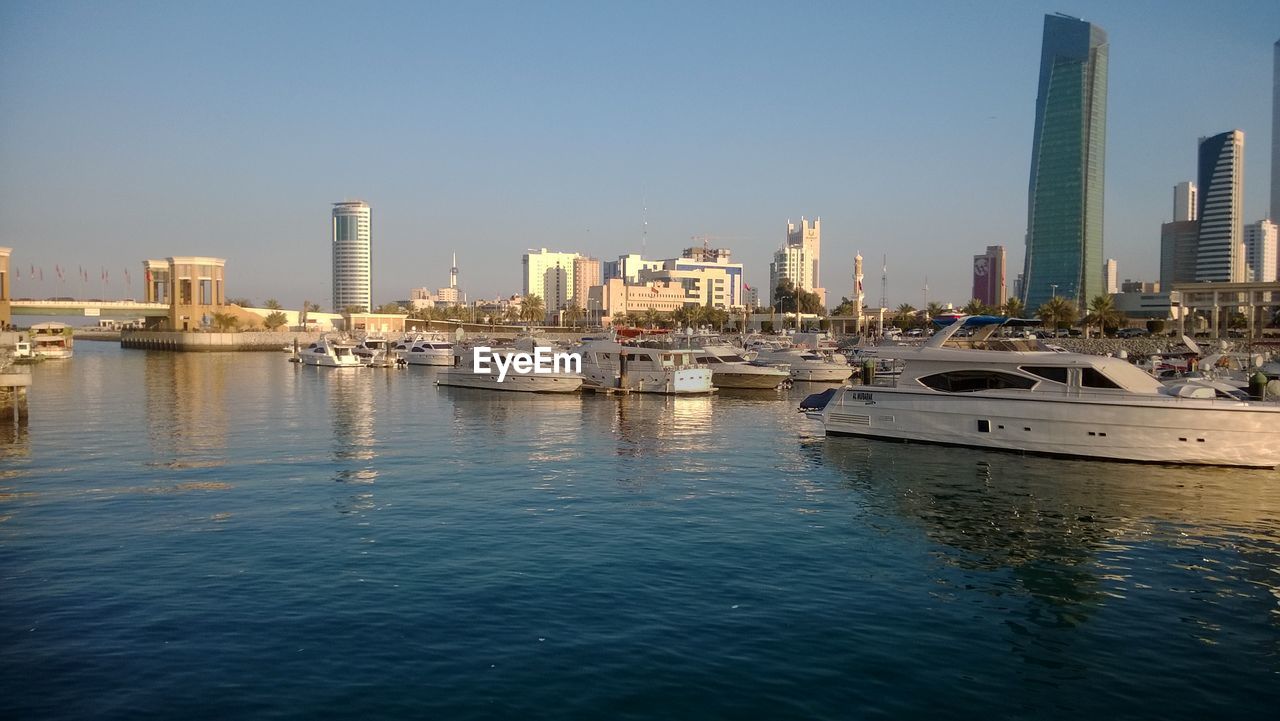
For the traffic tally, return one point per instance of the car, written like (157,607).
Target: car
(1132,333)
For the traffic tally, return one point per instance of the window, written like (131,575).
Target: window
(1049,373)
(975,380)
(984,426)
(1093,378)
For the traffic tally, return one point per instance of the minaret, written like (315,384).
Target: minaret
(453,272)
(857,294)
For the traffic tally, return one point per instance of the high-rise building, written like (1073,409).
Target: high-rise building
(791,263)
(1220,175)
(549,275)
(1184,201)
(352,256)
(1064,205)
(1260,252)
(1178,252)
(808,237)
(989,276)
(1111,273)
(586,273)
(1275,136)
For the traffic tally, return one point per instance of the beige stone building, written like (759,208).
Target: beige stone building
(194,287)
(6,307)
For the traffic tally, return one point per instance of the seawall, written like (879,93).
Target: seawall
(214,342)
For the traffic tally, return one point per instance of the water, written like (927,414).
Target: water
(230,535)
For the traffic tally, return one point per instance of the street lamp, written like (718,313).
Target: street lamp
(1053,287)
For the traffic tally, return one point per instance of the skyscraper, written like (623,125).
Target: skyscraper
(808,237)
(1275,136)
(1112,275)
(1184,201)
(1260,252)
(989,276)
(1064,204)
(1220,174)
(352,256)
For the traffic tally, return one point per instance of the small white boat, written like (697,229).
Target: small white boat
(729,369)
(51,340)
(330,353)
(376,351)
(609,364)
(431,349)
(808,365)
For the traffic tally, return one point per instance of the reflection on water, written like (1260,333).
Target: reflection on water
(185,396)
(1061,539)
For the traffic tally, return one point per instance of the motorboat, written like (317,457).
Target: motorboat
(331,353)
(806,364)
(729,369)
(432,349)
(376,351)
(51,340)
(495,369)
(608,364)
(1011,395)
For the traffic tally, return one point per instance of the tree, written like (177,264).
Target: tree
(651,318)
(975,307)
(933,309)
(1058,311)
(310,307)
(905,317)
(1102,313)
(271,304)
(845,307)
(224,322)
(573,314)
(1014,308)
(390,308)
(242,302)
(533,310)
(275,319)
(353,309)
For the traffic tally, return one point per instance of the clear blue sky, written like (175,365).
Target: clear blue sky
(131,130)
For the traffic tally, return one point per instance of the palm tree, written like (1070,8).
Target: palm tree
(933,309)
(1059,311)
(573,314)
(223,322)
(271,304)
(275,319)
(533,309)
(975,307)
(1102,313)
(905,317)
(651,318)
(1014,307)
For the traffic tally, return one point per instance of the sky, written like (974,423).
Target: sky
(135,130)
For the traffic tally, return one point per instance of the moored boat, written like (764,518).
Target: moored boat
(51,340)
(729,369)
(998,394)
(330,353)
(610,365)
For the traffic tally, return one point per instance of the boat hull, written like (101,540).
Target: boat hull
(429,359)
(733,379)
(821,375)
(1173,430)
(513,382)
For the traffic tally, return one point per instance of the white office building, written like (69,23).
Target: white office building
(549,275)
(1260,251)
(352,256)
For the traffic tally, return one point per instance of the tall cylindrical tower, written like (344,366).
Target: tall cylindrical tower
(352,256)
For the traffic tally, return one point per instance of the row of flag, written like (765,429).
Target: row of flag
(36,273)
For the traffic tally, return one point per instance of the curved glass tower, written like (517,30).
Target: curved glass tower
(1064,206)
(352,256)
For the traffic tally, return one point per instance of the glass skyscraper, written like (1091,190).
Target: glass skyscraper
(352,256)
(1064,206)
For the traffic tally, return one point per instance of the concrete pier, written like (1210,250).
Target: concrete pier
(214,342)
(13,398)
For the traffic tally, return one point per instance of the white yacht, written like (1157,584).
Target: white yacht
(808,364)
(330,352)
(51,340)
(375,350)
(729,369)
(609,364)
(461,373)
(432,349)
(995,393)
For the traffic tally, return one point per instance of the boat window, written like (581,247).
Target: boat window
(733,359)
(968,381)
(416,349)
(1093,378)
(1049,373)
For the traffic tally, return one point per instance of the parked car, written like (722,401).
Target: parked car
(1132,333)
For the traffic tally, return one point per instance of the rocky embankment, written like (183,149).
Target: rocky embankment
(1141,347)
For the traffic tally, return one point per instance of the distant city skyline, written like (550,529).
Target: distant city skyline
(602,130)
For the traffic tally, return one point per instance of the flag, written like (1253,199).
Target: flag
(746,287)
(58,270)
(127,280)
(17,273)
(654,288)
(859,285)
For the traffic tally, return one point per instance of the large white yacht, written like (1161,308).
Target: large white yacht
(995,393)
(462,373)
(331,353)
(432,349)
(729,369)
(642,369)
(51,340)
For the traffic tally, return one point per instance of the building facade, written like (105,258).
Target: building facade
(1064,208)
(1178,242)
(1220,209)
(6,291)
(352,256)
(586,274)
(1111,274)
(1260,252)
(789,263)
(1275,136)
(989,276)
(808,237)
(194,287)
(549,275)
(1184,201)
